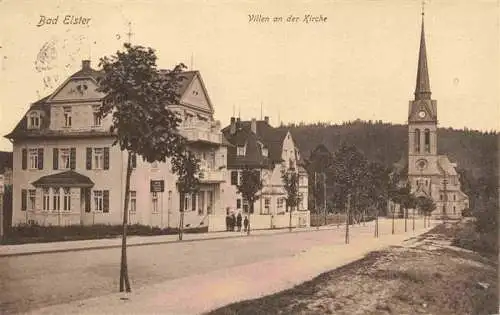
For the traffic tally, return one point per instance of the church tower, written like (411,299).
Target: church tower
(422,128)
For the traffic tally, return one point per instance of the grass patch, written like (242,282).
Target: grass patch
(24,234)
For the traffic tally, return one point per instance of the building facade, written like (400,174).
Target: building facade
(257,145)
(67,171)
(429,173)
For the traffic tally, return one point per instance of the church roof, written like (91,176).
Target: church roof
(446,167)
(422,87)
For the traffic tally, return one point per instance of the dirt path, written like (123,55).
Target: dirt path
(424,276)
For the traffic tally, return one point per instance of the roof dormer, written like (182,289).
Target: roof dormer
(34,119)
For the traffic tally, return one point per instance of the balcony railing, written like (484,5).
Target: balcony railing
(201,134)
(211,176)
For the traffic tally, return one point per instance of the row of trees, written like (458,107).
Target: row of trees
(367,187)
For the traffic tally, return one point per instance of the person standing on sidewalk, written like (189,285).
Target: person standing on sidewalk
(245,223)
(238,221)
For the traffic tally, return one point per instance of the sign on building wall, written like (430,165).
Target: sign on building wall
(157,186)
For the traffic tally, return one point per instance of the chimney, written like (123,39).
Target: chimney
(253,125)
(266,119)
(85,64)
(232,128)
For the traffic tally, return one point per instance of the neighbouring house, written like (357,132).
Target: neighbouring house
(66,170)
(430,174)
(6,167)
(257,145)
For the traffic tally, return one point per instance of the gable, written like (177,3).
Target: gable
(197,96)
(77,89)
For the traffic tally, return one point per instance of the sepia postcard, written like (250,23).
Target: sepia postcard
(249,157)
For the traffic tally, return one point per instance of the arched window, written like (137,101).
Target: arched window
(417,140)
(427,141)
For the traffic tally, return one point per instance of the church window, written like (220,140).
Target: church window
(427,136)
(417,140)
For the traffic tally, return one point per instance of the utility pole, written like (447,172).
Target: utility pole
(324,194)
(348,212)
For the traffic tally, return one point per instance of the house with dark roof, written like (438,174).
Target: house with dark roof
(67,171)
(257,145)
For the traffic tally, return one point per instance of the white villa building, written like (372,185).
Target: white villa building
(257,145)
(66,170)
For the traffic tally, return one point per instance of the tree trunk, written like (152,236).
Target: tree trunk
(250,210)
(124,281)
(413,219)
(393,213)
(363,218)
(181,220)
(405,212)
(376,222)
(290,223)
(347,219)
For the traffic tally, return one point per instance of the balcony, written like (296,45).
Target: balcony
(203,135)
(211,176)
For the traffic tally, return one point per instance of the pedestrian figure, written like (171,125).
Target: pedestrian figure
(233,222)
(245,223)
(238,221)
(228,219)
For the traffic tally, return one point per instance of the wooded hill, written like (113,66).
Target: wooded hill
(475,152)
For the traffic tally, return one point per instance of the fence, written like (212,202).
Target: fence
(318,219)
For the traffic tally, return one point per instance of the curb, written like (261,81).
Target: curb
(63,250)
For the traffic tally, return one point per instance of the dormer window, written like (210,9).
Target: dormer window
(96,117)
(67,116)
(240,150)
(265,152)
(34,120)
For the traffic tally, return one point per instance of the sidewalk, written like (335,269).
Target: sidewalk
(66,246)
(201,293)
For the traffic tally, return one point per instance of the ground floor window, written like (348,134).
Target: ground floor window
(132,201)
(98,200)
(56,199)
(279,204)
(267,206)
(31,199)
(67,199)
(46,199)
(154,200)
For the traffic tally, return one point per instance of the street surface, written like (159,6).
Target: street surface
(35,281)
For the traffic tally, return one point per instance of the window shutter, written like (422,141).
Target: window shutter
(87,200)
(55,158)
(24,158)
(40,158)
(72,158)
(24,197)
(88,160)
(105,201)
(106,158)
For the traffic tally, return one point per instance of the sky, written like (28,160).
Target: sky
(358,63)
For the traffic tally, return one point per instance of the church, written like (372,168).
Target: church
(430,174)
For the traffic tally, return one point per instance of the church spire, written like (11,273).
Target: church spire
(423,87)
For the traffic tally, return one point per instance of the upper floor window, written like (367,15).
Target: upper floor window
(98,158)
(35,159)
(240,150)
(265,152)
(234,178)
(67,116)
(133,201)
(97,120)
(65,158)
(34,120)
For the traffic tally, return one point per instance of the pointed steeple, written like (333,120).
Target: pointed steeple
(423,87)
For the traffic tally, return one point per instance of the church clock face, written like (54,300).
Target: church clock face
(422,164)
(421,114)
